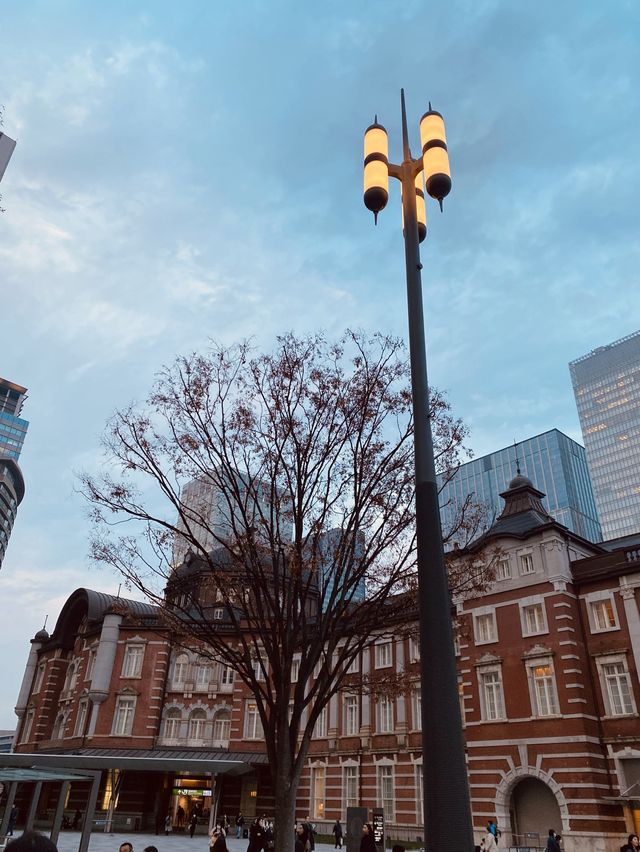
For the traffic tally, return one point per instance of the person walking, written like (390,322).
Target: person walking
(256,836)
(193,822)
(239,825)
(167,825)
(337,832)
(311,828)
(302,838)
(76,819)
(217,842)
(631,845)
(552,843)
(13,818)
(367,844)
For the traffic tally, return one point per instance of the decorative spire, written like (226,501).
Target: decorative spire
(515,446)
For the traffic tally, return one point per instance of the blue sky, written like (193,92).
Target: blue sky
(194,170)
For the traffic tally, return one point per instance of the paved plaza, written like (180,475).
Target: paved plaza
(68,841)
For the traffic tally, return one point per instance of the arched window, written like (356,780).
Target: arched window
(203,674)
(197,722)
(58,727)
(222,727)
(70,679)
(180,669)
(172,725)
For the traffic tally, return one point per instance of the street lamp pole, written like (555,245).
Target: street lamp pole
(447,809)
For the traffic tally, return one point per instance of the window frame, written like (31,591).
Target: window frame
(379,660)
(80,726)
(131,649)
(120,703)
(592,601)
(531,664)
(619,659)
(526,554)
(482,671)
(252,728)
(384,715)
(485,613)
(504,575)
(385,773)
(527,604)
(351,716)
(350,775)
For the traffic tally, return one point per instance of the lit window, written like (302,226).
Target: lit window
(491,696)
(533,619)
(132,664)
(350,787)
(383,655)
(526,563)
(318,784)
(385,715)
(503,569)
(252,723)
(603,615)
(351,720)
(485,628)
(542,688)
(81,718)
(123,717)
(386,791)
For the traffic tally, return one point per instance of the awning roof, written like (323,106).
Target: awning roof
(31,774)
(141,760)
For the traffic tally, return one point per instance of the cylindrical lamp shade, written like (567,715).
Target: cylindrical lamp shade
(376,168)
(421,209)
(435,159)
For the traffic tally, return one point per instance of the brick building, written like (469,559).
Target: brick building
(548,670)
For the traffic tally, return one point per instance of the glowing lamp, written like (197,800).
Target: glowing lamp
(421,209)
(435,158)
(376,168)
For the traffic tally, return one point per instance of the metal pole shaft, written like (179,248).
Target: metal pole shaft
(447,809)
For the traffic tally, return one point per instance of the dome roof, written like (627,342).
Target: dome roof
(41,636)
(519,481)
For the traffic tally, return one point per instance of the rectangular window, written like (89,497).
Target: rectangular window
(37,686)
(533,620)
(543,691)
(320,728)
(90,664)
(252,723)
(603,614)
(414,649)
(485,625)
(257,669)
(491,695)
(503,569)
(350,787)
(618,690)
(226,678)
(416,709)
(385,715)
(354,666)
(218,613)
(28,724)
(526,563)
(318,780)
(295,668)
(203,675)
(386,792)
(132,664)
(123,717)
(383,655)
(351,720)
(461,700)
(81,719)
(419,795)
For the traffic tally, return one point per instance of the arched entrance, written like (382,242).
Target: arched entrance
(533,810)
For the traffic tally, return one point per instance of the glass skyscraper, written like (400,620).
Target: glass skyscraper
(606,384)
(555,464)
(12,434)
(13,428)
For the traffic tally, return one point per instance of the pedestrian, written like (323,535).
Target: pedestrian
(239,825)
(150,849)
(368,843)
(180,815)
(217,842)
(311,828)
(631,845)
(193,824)
(256,836)
(32,841)
(490,844)
(13,818)
(302,838)
(76,819)
(167,825)
(337,832)
(552,843)
(125,847)
(268,837)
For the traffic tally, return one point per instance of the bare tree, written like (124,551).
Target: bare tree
(308,454)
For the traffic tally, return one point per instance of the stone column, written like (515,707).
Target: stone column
(103,666)
(27,680)
(628,595)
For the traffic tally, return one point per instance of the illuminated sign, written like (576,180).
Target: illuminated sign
(190,791)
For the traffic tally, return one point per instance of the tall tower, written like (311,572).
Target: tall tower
(606,384)
(13,430)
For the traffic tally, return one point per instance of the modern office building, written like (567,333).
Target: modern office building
(555,464)
(13,430)
(606,384)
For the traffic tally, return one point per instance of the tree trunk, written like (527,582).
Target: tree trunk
(285,791)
